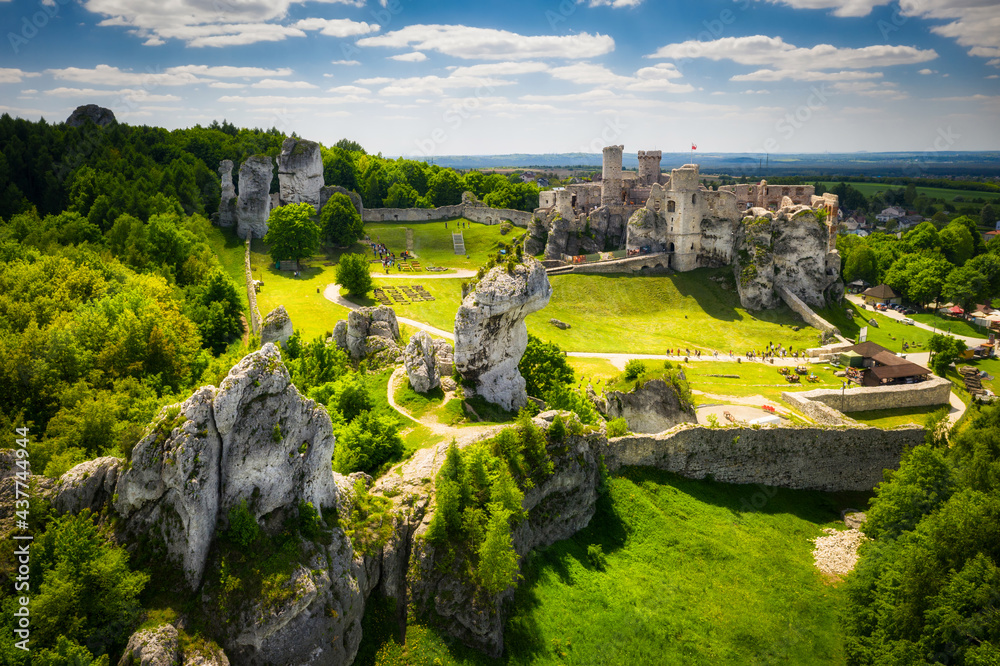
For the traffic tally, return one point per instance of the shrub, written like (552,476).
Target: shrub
(595,553)
(243,527)
(353,274)
(634,369)
(617,427)
(557,432)
(367,443)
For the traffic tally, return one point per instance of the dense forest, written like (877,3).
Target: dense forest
(112,305)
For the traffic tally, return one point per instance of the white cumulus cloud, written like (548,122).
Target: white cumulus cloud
(472,43)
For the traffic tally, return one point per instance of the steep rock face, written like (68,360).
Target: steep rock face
(227,202)
(420,360)
(91,113)
(277,327)
(536,238)
(555,509)
(653,407)
(490,334)
(646,228)
(89,485)
(300,172)
(790,248)
(277,447)
(570,236)
(717,236)
(368,331)
(170,491)
(557,241)
(254,203)
(328,191)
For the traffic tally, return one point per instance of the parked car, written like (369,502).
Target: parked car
(880,307)
(908,311)
(907,321)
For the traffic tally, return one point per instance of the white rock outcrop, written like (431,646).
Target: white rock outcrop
(420,361)
(89,485)
(300,172)
(368,331)
(159,646)
(227,201)
(277,327)
(254,204)
(490,333)
(254,438)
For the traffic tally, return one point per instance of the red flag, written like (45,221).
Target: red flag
(694,146)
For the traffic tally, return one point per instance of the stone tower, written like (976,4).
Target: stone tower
(611,185)
(649,166)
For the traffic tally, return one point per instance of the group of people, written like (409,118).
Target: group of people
(461,224)
(772,351)
(387,258)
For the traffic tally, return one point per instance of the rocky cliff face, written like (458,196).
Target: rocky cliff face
(646,228)
(254,203)
(556,509)
(227,202)
(536,238)
(253,439)
(789,248)
(91,113)
(422,361)
(300,172)
(653,407)
(490,334)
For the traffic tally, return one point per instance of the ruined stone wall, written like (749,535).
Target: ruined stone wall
(814,458)
(475,213)
(819,412)
(934,391)
(804,311)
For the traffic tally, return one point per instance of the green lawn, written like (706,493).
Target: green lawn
(890,418)
(432,243)
(692,576)
(949,325)
(231,252)
(440,312)
(869,189)
(754,379)
(593,370)
(889,333)
(647,315)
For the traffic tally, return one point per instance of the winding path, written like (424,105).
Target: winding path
(462,436)
(473,433)
(892,314)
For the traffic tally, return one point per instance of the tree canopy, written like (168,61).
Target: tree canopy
(291,233)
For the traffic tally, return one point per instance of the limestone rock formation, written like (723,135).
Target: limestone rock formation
(490,334)
(170,491)
(556,508)
(653,407)
(91,113)
(275,443)
(420,360)
(300,172)
(444,355)
(536,238)
(254,203)
(328,191)
(646,229)
(89,485)
(277,327)
(159,646)
(253,438)
(790,248)
(368,331)
(227,202)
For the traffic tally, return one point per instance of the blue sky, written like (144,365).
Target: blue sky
(425,78)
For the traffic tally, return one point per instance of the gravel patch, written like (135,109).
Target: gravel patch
(837,553)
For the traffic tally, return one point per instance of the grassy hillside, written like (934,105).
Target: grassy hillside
(692,576)
(869,189)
